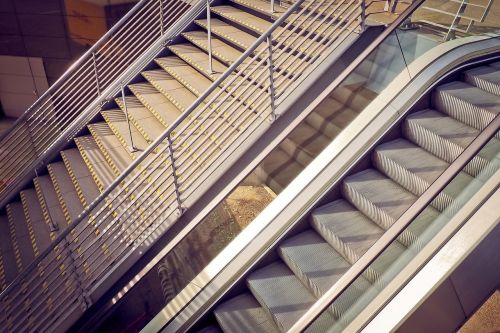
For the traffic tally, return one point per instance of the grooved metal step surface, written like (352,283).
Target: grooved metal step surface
(367,202)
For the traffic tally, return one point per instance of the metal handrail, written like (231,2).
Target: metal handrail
(77,95)
(392,234)
(140,203)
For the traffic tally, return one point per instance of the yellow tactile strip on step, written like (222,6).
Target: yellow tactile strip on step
(3,282)
(118,135)
(29,224)
(86,159)
(59,195)
(104,151)
(79,192)
(148,106)
(177,77)
(43,205)
(203,46)
(141,130)
(150,76)
(13,237)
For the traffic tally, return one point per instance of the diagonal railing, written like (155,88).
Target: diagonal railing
(114,230)
(94,78)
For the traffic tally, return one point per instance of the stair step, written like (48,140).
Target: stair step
(20,235)
(220,50)
(145,121)
(117,156)
(243,312)
(198,62)
(445,137)
(51,208)
(229,33)
(264,7)
(282,295)
(319,267)
(384,201)
(351,234)
(80,175)
(99,168)
(117,121)
(172,89)
(278,169)
(41,235)
(485,77)
(468,104)
(163,109)
(331,117)
(416,169)
(243,18)
(190,77)
(8,267)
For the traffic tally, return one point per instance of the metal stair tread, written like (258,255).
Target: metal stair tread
(111,146)
(143,119)
(117,121)
(264,7)
(221,50)
(210,329)
(351,233)
(86,187)
(468,104)
(8,270)
(172,89)
(230,33)
(66,191)
(244,312)
(156,102)
(484,77)
(446,138)
(21,239)
(243,18)
(34,216)
(384,201)
(319,267)
(97,164)
(282,294)
(51,207)
(197,59)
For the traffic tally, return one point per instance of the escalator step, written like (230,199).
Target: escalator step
(468,104)
(485,77)
(282,295)
(244,314)
(319,267)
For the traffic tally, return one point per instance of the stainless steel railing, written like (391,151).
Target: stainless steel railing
(114,230)
(76,97)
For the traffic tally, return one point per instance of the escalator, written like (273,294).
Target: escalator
(366,204)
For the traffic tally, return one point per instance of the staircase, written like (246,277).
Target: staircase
(58,290)
(370,201)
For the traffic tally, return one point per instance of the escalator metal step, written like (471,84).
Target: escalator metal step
(484,77)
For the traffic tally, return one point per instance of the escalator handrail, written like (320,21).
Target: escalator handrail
(362,264)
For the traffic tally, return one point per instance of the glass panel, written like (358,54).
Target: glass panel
(425,226)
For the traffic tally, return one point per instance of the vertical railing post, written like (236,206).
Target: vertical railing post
(161,17)
(209,31)
(96,73)
(174,174)
(132,147)
(362,6)
(272,6)
(272,92)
